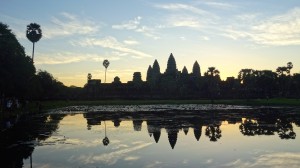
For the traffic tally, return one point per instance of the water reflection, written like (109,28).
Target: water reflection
(260,122)
(19,142)
(105,140)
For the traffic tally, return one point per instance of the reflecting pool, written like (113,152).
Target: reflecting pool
(154,136)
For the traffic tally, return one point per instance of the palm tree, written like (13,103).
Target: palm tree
(212,71)
(212,76)
(289,67)
(105,64)
(34,34)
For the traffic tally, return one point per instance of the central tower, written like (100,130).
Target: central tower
(171,66)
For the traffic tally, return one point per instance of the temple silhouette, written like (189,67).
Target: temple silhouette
(170,84)
(176,84)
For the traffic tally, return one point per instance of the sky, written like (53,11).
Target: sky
(227,34)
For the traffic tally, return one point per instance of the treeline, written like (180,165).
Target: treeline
(19,79)
(250,84)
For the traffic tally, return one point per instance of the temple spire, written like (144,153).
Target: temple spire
(196,70)
(171,66)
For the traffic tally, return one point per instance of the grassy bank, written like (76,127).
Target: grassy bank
(254,102)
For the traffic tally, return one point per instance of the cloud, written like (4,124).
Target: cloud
(149,32)
(130,25)
(112,43)
(131,42)
(69,24)
(220,5)
(136,26)
(154,164)
(184,21)
(206,38)
(131,158)
(185,15)
(179,7)
(68,57)
(291,160)
(279,30)
(112,157)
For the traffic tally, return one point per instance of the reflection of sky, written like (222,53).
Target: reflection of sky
(73,145)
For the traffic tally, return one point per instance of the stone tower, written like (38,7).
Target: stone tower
(171,66)
(196,70)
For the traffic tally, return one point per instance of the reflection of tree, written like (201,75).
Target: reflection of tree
(248,127)
(268,126)
(105,140)
(24,136)
(285,129)
(213,131)
(260,127)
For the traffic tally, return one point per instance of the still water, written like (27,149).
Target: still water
(152,136)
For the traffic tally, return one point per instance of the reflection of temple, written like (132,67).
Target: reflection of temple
(251,123)
(172,136)
(137,124)
(15,148)
(92,120)
(154,129)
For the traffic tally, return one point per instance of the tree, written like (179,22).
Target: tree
(212,71)
(280,71)
(34,34)
(284,80)
(50,87)
(89,76)
(265,82)
(105,64)
(289,67)
(212,76)
(16,69)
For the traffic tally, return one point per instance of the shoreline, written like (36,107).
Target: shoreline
(47,105)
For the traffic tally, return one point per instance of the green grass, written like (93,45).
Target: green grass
(253,102)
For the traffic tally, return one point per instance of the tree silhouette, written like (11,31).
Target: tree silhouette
(212,76)
(16,68)
(89,76)
(34,34)
(280,71)
(289,67)
(105,64)
(212,71)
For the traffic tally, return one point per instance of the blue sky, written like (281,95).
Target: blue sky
(227,34)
